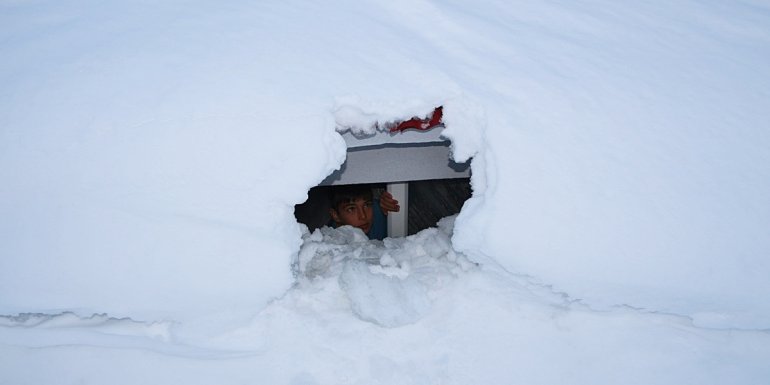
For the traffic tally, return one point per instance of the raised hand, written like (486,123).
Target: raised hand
(388,203)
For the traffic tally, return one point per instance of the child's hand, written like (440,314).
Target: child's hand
(388,204)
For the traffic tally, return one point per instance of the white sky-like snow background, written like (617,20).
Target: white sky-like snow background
(151,155)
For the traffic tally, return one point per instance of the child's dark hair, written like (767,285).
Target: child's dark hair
(348,193)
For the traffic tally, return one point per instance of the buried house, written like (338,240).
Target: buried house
(151,156)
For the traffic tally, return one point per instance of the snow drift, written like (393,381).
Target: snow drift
(150,155)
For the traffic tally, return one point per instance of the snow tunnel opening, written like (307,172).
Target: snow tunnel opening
(427,202)
(410,160)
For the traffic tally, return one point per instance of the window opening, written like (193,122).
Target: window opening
(412,162)
(431,200)
(426,203)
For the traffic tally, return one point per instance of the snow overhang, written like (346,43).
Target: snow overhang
(398,155)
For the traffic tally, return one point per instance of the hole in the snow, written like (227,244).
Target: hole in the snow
(414,166)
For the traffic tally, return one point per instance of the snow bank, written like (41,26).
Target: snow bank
(626,154)
(620,152)
(141,176)
(150,155)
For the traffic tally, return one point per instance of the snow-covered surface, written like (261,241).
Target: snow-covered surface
(150,156)
(406,311)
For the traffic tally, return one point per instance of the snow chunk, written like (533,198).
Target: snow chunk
(385,300)
(388,283)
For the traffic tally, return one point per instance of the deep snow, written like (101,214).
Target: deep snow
(151,154)
(402,311)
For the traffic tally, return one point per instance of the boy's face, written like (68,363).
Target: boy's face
(357,213)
